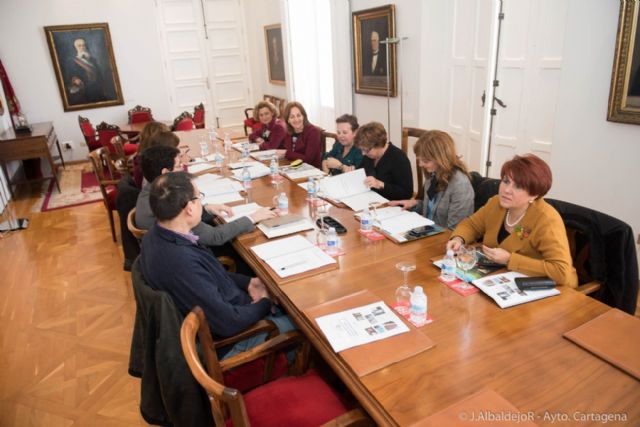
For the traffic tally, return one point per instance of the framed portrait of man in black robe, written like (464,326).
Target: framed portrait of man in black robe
(85,66)
(373,69)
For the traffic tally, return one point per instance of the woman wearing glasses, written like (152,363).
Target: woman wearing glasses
(448,194)
(518,228)
(387,167)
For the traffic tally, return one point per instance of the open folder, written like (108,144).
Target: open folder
(349,188)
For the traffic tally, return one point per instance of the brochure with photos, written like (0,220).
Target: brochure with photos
(502,288)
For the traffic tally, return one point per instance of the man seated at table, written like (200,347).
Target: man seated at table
(162,159)
(173,260)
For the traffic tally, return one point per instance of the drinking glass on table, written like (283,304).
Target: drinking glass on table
(403,293)
(466,259)
(322,210)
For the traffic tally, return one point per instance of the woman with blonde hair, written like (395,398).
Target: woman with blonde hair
(270,131)
(448,194)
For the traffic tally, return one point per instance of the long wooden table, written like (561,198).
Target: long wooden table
(518,352)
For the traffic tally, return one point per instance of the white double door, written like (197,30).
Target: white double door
(204,55)
(529,71)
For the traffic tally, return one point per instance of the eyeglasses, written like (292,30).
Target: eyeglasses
(199,196)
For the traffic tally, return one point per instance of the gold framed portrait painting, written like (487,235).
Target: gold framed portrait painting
(84,64)
(624,96)
(275,54)
(374,70)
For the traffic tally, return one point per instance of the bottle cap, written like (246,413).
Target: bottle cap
(450,252)
(418,290)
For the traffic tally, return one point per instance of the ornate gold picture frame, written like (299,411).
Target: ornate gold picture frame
(624,96)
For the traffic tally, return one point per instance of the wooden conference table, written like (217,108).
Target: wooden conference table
(518,352)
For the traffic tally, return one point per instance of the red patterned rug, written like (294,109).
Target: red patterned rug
(78,186)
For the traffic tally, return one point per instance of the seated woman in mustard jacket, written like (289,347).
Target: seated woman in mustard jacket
(518,228)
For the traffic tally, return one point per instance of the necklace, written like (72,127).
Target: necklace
(506,219)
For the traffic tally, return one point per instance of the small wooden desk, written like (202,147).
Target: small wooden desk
(30,145)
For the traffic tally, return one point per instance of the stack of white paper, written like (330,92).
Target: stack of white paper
(256,169)
(350,189)
(219,190)
(199,167)
(393,220)
(292,255)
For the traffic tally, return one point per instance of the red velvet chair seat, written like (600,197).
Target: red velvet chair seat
(112,193)
(130,149)
(304,401)
(250,375)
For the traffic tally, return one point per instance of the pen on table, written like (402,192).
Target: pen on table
(295,264)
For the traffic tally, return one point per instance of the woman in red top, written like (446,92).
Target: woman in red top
(303,139)
(270,133)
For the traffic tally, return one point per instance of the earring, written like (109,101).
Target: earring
(531,201)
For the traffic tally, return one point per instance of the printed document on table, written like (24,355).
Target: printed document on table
(360,325)
(304,171)
(292,255)
(221,199)
(360,201)
(282,230)
(264,155)
(504,291)
(242,210)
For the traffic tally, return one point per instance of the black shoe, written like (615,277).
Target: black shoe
(128,264)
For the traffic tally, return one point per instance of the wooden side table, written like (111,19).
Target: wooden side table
(29,145)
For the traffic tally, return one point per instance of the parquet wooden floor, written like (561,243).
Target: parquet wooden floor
(66,316)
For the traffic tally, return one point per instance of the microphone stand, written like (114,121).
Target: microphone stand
(387,42)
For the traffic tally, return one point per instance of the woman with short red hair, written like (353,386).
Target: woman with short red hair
(518,228)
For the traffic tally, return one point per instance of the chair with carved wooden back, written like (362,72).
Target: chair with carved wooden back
(250,122)
(304,400)
(323,140)
(408,132)
(100,161)
(140,114)
(88,133)
(106,132)
(122,161)
(198,116)
(183,122)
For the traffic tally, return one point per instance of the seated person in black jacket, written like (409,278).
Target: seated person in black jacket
(173,261)
(387,167)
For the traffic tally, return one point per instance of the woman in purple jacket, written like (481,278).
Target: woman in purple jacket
(270,132)
(303,139)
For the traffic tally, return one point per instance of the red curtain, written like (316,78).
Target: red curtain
(31,167)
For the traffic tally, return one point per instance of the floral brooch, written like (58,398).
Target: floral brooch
(522,232)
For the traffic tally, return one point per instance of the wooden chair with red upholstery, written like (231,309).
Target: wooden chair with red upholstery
(408,132)
(305,400)
(183,122)
(89,133)
(198,116)
(107,132)
(107,180)
(140,114)
(251,123)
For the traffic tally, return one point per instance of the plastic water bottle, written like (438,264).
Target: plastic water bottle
(204,147)
(283,204)
(332,241)
(448,270)
(246,178)
(365,220)
(218,158)
(245,150)
(418,309)
(227,142)
(213,135)
(275,169)
(312,189)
